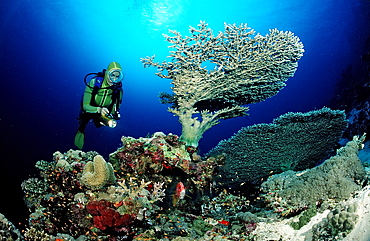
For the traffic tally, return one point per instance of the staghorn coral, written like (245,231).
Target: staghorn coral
(34,187)
(226,206)
(294,141)
(335,179)
(98,173)
(247,68)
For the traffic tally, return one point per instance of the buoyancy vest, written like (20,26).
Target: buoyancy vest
(95,85)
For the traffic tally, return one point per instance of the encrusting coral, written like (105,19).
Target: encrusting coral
(336,179)
(294,141)
(215,76)
(97,173)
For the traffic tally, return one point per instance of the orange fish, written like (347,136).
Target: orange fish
(224,222)
(118,204)
(179,193)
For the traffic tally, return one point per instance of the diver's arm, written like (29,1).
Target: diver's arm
(87,99)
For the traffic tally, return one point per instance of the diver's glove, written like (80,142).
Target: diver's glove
(103,111)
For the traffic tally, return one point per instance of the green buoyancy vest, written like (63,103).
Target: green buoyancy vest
(99,96)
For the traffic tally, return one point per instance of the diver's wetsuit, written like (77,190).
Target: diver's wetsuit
(106,96)
(110,98)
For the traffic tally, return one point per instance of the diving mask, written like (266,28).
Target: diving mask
(115,76)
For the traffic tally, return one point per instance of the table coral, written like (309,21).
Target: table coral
(302,139)
(215,76)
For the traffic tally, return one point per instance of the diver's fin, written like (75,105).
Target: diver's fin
(79,139)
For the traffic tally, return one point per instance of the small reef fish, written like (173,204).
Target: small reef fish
(224,222)
(179,193)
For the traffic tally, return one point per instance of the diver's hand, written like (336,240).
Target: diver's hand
(103,110)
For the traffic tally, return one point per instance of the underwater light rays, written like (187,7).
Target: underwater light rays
(159,15)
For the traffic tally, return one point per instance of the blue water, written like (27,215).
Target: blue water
(47,47)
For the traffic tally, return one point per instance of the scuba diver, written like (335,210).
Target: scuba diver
(101,101)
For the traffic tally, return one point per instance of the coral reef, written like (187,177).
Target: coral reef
(304,218)
(147,174)
(165,159)
(339,222)
(97,173)
(106,217)
(52,206)
(62,207)
(294,141)
(243,68)
(225,217)
(8,231)
(139,205)
(336,179)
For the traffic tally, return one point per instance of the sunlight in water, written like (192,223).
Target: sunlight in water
(159,14)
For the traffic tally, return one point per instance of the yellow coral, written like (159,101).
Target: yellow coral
(97,173)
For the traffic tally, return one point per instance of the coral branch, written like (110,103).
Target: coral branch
(215,76)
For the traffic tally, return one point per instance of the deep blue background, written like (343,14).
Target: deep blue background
(47,47)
